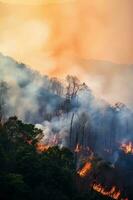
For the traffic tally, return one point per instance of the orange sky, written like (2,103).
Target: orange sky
(58,38)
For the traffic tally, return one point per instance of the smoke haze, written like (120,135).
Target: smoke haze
(60,38)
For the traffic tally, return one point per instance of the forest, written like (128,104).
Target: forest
(27,174)
(59,141)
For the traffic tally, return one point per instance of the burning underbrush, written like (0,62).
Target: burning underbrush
(114,193)
(85,169)
(112,180)
(42,147)
(109,179)
(127,147)
(103,178)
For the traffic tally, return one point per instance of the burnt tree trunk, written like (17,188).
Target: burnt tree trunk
(71,130)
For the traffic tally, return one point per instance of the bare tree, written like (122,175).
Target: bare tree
(72,89)
(71,130)
(56,86)
(74,86)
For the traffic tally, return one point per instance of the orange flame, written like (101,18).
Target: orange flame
(42,147)
(127,148)
(86,168)
(113,192)
(53,141)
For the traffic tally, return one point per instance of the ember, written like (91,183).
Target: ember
(86,168)
(42,147)
(127,148)
(113,192)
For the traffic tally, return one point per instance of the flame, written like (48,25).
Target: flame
(86,168)
(42,147)
(79,148)
(113,192)
(53,141)
(127,148)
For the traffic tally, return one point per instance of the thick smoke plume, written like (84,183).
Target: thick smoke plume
(67,111)
(60,38)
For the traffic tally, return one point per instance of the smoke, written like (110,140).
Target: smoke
(111,81)
(59,39)
(28,91)
(56,131)
(82,119)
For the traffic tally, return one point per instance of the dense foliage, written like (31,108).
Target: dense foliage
(26,174)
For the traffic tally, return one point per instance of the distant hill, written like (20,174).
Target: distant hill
(31,95)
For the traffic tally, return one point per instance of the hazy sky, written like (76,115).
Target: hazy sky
(33,2)
(56,37)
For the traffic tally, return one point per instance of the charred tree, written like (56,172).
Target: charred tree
(3,98)
(71,130)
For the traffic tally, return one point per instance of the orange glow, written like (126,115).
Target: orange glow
(42,147)
(113,192)
(127,148)
(86,168)
(61,38)
(33,2)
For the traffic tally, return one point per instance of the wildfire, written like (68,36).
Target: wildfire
(113,192)
(86,168)
(127,148)
(42,147)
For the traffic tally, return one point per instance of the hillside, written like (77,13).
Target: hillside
(98,134)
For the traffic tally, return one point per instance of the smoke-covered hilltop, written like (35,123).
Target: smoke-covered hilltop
(67,111)
(28,91)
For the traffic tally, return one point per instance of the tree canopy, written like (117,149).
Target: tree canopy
(26,174)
